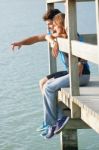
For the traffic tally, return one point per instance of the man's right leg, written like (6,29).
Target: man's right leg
(51,107)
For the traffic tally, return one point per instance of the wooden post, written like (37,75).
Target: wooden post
(97,19)
(69,136)
(69,139)
(97,24)
(75,110)
(72,35)
(51,60)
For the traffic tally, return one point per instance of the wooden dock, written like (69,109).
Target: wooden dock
(82,103)
(84,112)
(85,106)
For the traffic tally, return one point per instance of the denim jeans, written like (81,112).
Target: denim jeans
(52,111)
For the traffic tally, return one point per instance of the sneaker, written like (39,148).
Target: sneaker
(42,128)
(50,132)
(44,132)
(60,124)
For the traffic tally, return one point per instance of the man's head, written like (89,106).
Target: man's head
(48,17)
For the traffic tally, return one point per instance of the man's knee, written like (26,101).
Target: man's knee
(42,81)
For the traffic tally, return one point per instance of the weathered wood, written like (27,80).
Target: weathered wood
(76,124)
(60,1)
(68,136)
(75,110)
(71,22)
(52,61)
(88,102)
(85,0)
(89,38)
(55,1)
(69,139)
(85,51)
(97,19)
(80,49)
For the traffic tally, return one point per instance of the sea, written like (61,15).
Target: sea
(21,111)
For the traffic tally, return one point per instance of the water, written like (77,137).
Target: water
(20,99)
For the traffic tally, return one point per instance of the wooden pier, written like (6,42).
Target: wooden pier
(82,103)
(84,111)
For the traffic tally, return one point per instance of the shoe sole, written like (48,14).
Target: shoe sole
(40,130)
(58,131)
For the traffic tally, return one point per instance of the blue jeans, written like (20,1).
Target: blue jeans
(52,111)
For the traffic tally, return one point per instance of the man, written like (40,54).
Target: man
(48,128)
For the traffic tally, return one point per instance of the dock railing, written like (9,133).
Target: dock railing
(73,47)
(88,50)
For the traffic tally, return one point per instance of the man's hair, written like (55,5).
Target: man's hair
(50,14)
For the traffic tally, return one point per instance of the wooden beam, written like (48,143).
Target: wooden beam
(75,110)
(81,49)
(76,124)
(88,102)
(89,38)
(90,119)
(55,1)
(60,1)
(84,0)
(85,51)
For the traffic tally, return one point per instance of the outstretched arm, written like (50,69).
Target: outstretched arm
(29,41)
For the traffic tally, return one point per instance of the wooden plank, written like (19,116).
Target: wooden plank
(89,38)
(90,119)
(85,0)
(55,1)
(86,51)
(79,49)
(90,92)
(60,1)
(88,102)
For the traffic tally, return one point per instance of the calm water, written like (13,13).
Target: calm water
(20,99)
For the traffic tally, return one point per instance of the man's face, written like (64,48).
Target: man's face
(49,23)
